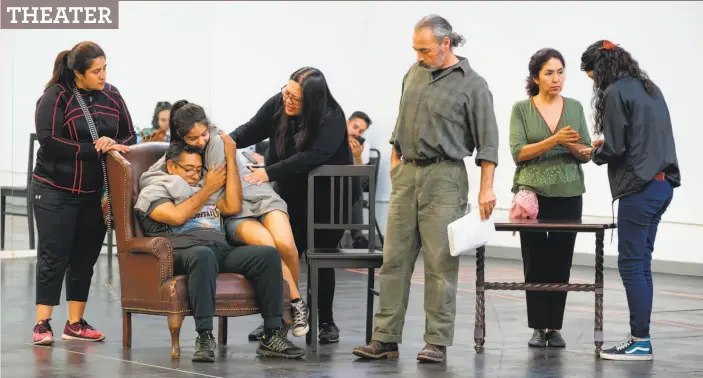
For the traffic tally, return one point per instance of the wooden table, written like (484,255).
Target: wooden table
(584,225)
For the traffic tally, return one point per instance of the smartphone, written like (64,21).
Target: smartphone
(360,139)
(256,166)
(250,157)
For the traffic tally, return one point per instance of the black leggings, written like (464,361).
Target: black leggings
(547,258)
(259,264)
(71,232)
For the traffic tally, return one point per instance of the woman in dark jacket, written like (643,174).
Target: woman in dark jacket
(638,146)
(68,183)
(307,129)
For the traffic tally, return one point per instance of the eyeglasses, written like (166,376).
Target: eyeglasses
(288,97)
(192,171)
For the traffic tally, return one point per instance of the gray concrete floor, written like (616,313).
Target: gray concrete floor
(677,333)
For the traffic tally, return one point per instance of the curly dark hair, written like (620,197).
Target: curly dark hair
(609,63)
(535,66)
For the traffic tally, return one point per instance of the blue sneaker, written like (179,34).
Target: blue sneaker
(633,349)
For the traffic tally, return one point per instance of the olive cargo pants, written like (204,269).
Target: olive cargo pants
(424,200)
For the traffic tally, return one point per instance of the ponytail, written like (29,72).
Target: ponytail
(79,58)
(184,116)
(62,73)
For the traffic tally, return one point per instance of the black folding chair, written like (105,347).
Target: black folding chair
(318,258)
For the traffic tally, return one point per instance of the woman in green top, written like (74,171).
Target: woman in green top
(547,131)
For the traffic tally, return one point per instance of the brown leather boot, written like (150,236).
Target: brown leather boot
(377,350)
(433,353)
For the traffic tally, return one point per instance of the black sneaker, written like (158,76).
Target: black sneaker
(256,334)
(538,340)
(554,340)
(329,333)
(205,347)
(360,242)
(300,318)
(278,345)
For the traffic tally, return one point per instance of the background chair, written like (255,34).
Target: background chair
(25,192)
(148,285)
(20,192)
(318,258)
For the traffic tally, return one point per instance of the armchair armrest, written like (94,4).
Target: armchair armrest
(158,247)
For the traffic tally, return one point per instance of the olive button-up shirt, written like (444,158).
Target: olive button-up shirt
(449,116)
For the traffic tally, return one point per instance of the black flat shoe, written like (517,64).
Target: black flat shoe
(554,340)
(538,340)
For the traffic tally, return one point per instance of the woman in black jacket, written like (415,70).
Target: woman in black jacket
(638,147)
(306,128)
(68,183)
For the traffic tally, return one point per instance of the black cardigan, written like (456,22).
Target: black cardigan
(67,158)
(330,147)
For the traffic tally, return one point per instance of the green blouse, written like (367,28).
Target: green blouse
(556,173)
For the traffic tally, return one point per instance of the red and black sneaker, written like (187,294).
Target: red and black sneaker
(42,333)
(82,331)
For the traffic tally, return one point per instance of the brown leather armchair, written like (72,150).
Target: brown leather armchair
(148,285)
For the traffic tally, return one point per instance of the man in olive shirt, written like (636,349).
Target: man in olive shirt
(446,111)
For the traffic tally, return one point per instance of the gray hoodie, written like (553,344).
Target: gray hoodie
(156,184)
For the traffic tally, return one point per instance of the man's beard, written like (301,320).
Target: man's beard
(438,66)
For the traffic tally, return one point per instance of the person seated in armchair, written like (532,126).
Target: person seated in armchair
(182,206)
(262,218)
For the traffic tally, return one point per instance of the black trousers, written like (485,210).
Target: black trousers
(547,258)
(71,232)
(259,264)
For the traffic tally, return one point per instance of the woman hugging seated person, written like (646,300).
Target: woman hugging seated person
(263,219)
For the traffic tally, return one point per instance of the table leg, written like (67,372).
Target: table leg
(479,323)
(598,331)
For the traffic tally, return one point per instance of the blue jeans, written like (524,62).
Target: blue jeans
(638,218)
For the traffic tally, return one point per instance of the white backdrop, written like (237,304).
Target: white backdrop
(230,57)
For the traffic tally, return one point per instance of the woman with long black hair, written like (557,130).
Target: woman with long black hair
(638,146)
(547,130)
(306,128)
(79,119)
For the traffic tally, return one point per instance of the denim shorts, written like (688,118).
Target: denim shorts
(232,223)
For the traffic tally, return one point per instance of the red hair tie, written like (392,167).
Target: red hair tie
(607,45)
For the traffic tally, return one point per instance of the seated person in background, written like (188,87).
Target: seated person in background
(182,208)
(263,215)
(158,132)
(357,125)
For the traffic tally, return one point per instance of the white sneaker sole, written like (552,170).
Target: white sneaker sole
(627,357)
(44,341)
(69,337)
(297,332)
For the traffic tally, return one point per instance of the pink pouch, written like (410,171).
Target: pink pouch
(525,206)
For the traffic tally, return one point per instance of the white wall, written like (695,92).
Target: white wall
(230,57)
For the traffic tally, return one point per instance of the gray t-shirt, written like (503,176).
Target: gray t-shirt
(257,200)
(205,227)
